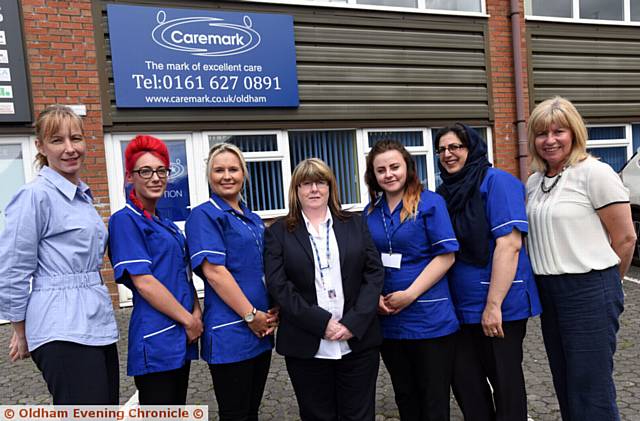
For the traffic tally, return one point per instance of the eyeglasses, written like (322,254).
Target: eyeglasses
(320,184)
(147,172)
(453,148)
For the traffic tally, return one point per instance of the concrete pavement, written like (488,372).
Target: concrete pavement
(21,383)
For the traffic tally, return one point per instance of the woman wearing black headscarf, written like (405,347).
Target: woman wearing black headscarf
(491,281)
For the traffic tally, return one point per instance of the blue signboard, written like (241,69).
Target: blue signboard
(197,58)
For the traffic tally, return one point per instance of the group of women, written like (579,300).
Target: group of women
(439,284)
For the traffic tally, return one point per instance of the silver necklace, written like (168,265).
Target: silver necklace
(546,189)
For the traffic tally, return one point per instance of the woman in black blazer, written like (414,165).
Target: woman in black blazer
(324,271)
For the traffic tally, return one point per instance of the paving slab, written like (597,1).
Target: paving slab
(21,383)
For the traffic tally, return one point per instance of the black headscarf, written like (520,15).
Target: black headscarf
(461,191)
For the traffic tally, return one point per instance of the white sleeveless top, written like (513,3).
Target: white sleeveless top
(565,232)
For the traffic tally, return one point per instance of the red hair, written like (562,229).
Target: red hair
(142,144)
(139,146)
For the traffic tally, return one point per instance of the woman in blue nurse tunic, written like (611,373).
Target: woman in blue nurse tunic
(410,227)
(226,245)
(492,282)
(149,256)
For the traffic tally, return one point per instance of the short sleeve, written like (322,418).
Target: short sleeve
(128,248)
(438,224)
(26,217)
(505,205)
(205,240)
(605,187)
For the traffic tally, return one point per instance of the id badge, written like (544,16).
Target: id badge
(391,260)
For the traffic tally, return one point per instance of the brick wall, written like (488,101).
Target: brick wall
(505,134)
(62,61)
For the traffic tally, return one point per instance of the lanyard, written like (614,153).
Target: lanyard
(386,232)
(317,255)
(255,236)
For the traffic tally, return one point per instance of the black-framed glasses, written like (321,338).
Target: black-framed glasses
(147,172)
(453,148)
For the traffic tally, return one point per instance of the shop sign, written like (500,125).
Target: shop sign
(14,91)
(166,57)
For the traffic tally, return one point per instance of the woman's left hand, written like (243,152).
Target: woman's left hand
(492,321)
(18,348)
(397,301)
(273,318)
(341,334)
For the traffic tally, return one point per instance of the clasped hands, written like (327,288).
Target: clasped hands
(395,302)
(264,324)
(336,331)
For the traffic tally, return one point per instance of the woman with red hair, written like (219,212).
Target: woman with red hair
(148,254)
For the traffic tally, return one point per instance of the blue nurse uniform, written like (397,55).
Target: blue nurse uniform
(504,199)
(222,236)
(142,246)
(419,240)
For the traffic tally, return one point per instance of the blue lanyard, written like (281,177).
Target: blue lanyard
(317,255)
(386,232)
(255,236)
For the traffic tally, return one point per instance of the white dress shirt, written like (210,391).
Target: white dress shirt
(328,281)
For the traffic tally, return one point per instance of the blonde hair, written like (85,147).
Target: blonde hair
(220,148)
(560,111)
(312,169)
(49,122)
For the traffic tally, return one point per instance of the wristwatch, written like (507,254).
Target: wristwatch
(250,316)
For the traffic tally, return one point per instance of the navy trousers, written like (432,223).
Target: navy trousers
(579,325)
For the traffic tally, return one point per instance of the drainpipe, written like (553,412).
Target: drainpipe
(523,149)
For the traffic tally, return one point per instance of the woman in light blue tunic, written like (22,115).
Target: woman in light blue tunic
(411,229)
(226,246)
(54,238)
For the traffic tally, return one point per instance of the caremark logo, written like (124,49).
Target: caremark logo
(205,36)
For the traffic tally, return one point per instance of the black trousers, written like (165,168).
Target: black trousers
(331,390)
(79,374)
(420,371)
(239,387)
(499,360)
(164,387)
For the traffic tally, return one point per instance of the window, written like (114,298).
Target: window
(271,155)
(591,11)
(612,144)
(16,156)
(431,6)
(414,141)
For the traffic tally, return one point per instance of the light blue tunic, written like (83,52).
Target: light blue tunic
(54,234)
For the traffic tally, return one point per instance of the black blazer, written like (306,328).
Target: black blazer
(290,276)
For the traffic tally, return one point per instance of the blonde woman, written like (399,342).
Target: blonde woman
(54,234)
(581,241)
(226,247)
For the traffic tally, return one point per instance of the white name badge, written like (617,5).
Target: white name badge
(391,260)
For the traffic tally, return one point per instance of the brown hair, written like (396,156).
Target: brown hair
(312,169)
(560,111)
(412,187)
(50,120)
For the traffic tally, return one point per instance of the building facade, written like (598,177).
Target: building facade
(365,69)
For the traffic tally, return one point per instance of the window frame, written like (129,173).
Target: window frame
(281,155)
(627,142)
(351,4)
(626,11)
